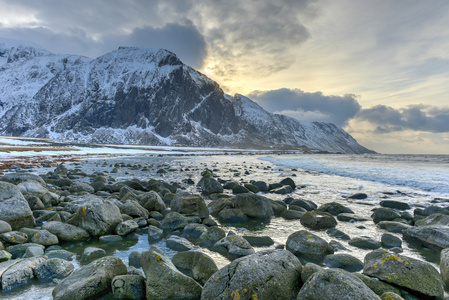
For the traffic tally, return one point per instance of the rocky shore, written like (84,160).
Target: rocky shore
(59,229)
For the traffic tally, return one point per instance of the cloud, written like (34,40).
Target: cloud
(413,117)
(308,106)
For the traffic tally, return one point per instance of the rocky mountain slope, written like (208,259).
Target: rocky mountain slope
(140,96)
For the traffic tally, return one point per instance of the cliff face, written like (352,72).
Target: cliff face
(141,96)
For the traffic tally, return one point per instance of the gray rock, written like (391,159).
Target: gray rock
(318,220)
(173,221)
(270,274)
(90,280)
(132,208)
(377,286)
(14,237)
(154,233)
(92,253)
(209,185)
(288,181)
(278,207)
(335,208)
(335,233)
(44,237)
(32,187)
(434,220)
(232,215)
(444,265)
(62,254)
(53,268)
(306,204)
(4,227)
(308,270)
(126,227)
(34,251)
(233,247)
(254,206)
(385,214)
(229,185)
(238,189)
(292,214)
(134,259)
(395,204)
(212,235)
(66,232)
(97,216)
(404,271)
(190,205)
(436,237)
(17,178)
(151,201)
(4,256)
(283,190)
(390,241)
(160,274)
(128,287)
(390,296)
(433,209)
(261,185)
(335,284)
(18,251)
(14,209)
(194,231)
(19,272)
(391,226)
(364,242)
(343,261)
(113,238)
(359,196)
(178,243)
(344,217)
(307,245)
(259,241)
(195,264)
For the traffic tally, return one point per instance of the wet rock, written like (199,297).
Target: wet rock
(444,265)
(92,253)
(358,196)
(126,227)
(134,259)
(335,284)
(337,246)
(66,232)
(238,189)
(433,209)
(306,204)
(194,231)
(90,280)
(233,247)
(53,268)
(364,242)
(335,233)
(278,207)
(14,209)
(436,237)
(377,286)
(390,241)
(14,237)
(345,217)
(292,214)
(161,273)
(403,271)
(16,273)
(252,188)
(232,215)
(128,287)
(19,251)
(178,243)
(270,274)
(261,185)
(62,254)
(151,201)
(190,205)
(335,208)
(343,261)
(173,221)
(307,245)
(434,220)
(229,185)
(391,226)
(318,220)
(154,233)
(385,214)
(213,235)
(97,216)
(395,204)
(259,241)
(109,239)
(288,181)
(195,264)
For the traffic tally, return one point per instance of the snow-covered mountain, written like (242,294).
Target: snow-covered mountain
(140,96)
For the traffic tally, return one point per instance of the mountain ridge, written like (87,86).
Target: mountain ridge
(143,96)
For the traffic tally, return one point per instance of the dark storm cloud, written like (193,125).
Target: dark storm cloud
(308,106)
(414,117)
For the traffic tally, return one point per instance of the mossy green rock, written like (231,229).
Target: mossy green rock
(404,271)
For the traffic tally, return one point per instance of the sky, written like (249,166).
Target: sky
(377,68)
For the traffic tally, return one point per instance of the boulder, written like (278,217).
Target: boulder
(44,237)
(345,217)
(134,259)
(395,204)
(151,201)
(233,246)
(291,214)
(34,251)
(14,237)
(154,233)
(318,220)
(92,253)
(195,264)
(81,187)
(53,268)
(358,196)
(178,243)
(128,287)
(209,185)
(436,237)
(17,178)
(212,235)
(97,216)
(4,227)
(338,234)
(239,189)
(173,221)
(390,241)
(164,280)
(66,232)
(126,227)
(434,220)
(254,206)
(307,245)
(4,256)
(444,265)
(343,261)
(385,214)
(32,187)
(270,274)
(335,208)
(364,242)
(335,284)
(132,208)
(91,280)
(391,226)
(308,270)
(283,190)
(306,204)
(403,271)
(377,286)
(259,241)
(232,216)
(19,251)
(288,181)
(194,231)
(190,205)
(14,209)
(15,273)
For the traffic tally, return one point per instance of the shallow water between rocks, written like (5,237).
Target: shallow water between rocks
(315,186)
